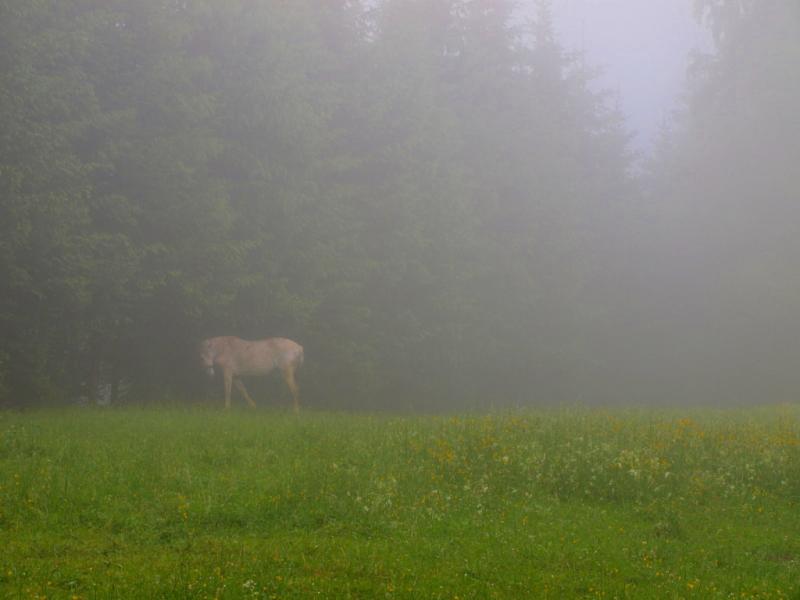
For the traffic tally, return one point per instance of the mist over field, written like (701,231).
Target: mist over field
(533,266)
(436,198)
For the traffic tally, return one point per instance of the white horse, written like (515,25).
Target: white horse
(237,357)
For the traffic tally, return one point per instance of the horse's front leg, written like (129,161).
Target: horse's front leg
(240,386)
(228,381)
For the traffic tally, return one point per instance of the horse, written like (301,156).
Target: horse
(237,357)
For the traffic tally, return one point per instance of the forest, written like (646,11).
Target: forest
(432,196)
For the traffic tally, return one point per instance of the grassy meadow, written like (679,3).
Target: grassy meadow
(563,503)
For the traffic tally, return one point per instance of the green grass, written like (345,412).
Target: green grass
(198,503)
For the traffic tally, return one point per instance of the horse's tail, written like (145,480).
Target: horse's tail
(300,357)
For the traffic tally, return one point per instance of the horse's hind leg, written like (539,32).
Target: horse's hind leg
(288,376)
(240,386)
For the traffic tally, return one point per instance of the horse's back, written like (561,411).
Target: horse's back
(255,357)
(270,353)
(286,352)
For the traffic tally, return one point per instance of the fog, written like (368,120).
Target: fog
(641,49)
(450,204)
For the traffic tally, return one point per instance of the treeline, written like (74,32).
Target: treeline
(724,194)
(427,194)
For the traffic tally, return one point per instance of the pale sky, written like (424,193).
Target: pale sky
(643,48)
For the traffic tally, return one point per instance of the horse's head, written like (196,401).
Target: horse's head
(207,354)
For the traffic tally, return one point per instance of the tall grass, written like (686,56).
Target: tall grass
(559,503)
